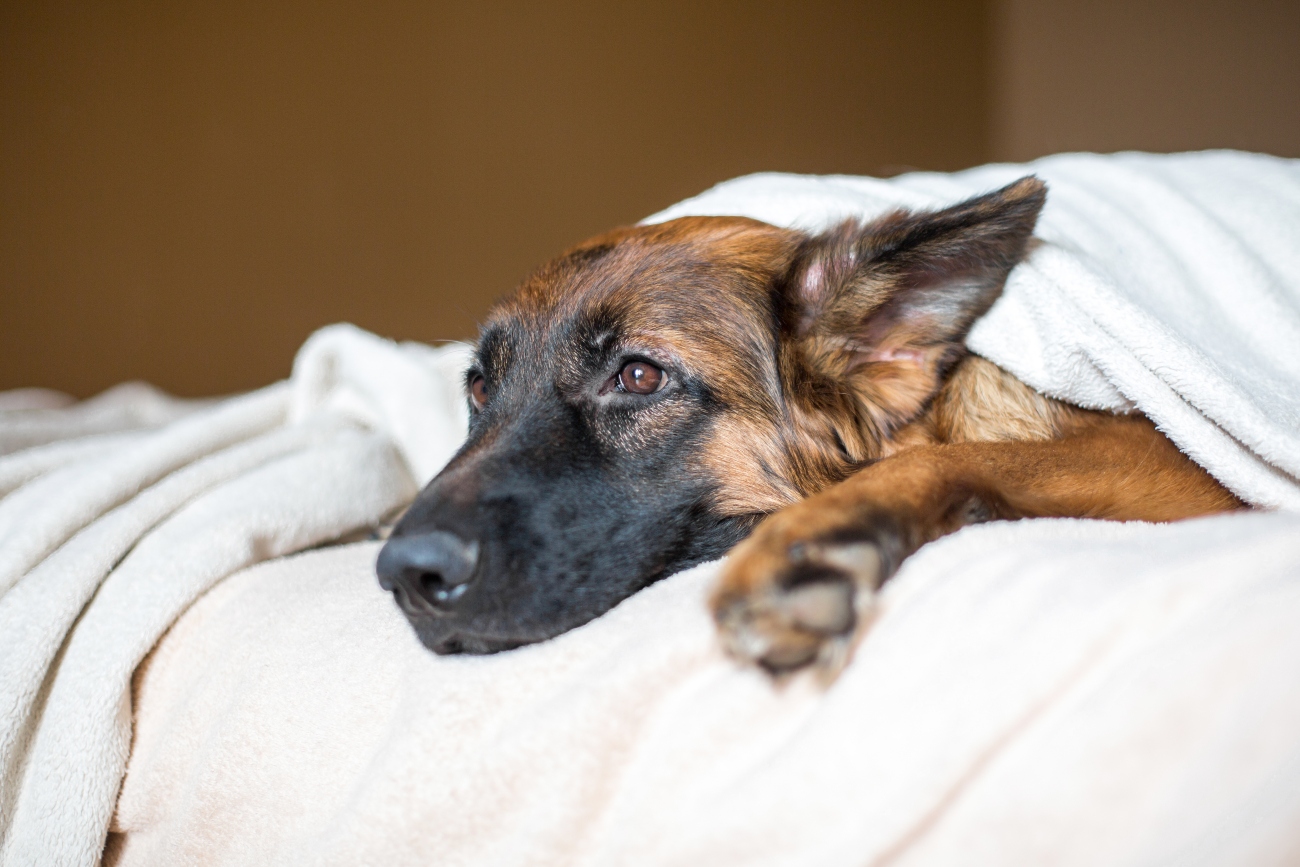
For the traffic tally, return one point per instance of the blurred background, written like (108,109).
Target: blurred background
(187,190)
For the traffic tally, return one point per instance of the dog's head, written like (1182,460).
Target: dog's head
(642,401)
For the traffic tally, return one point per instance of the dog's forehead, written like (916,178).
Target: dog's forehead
(695,286)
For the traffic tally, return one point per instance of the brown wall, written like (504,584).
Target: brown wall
(1156,75)
(188,189)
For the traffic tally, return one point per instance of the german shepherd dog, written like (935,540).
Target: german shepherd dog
(662,394)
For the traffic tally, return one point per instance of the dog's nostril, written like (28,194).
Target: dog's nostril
(438,590)
(427,573)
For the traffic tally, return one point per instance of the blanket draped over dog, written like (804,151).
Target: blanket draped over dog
(1154,662)
(1166,283)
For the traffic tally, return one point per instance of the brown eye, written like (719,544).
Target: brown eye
(640,377)
(478,391)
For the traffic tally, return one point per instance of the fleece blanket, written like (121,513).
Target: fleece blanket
(114,521)
(108,533)
(1049,692)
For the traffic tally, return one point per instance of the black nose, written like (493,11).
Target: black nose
(427,573)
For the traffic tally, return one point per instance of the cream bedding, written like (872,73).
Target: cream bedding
(1048,692)
(1034,693)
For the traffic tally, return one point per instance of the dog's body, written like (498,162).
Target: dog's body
(659,393)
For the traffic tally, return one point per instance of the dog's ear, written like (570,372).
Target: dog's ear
(881,311)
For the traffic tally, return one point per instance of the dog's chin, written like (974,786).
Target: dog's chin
(450,642)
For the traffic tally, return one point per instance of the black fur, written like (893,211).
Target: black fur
(571,513)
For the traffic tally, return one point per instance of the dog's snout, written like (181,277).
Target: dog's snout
(429,572)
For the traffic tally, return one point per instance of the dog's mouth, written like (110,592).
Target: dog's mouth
(451,639)
(471,644)
(502,598)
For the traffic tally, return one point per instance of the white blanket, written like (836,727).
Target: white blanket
(1048,692)
(106,537)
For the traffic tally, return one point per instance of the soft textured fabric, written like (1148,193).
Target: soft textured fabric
(118,515)
(1166,283)
(38,417)
(1044,692)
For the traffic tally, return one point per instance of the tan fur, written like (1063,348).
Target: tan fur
(981,402)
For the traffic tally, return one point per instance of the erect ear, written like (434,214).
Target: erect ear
(881,311)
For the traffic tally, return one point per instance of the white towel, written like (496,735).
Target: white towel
(1166,283)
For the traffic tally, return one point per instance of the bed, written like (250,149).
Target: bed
(197,665)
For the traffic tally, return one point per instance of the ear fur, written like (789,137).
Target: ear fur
(880,312)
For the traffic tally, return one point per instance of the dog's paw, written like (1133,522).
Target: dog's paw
(785,602)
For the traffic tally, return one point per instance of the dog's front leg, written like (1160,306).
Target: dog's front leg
(801,589)
(803,586)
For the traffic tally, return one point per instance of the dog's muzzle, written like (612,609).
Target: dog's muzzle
(427,573)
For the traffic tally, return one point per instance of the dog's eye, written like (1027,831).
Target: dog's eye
(640,377)
(478,391)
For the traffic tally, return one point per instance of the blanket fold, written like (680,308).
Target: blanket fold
(105,539)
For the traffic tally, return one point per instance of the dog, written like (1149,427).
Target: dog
(663,394)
